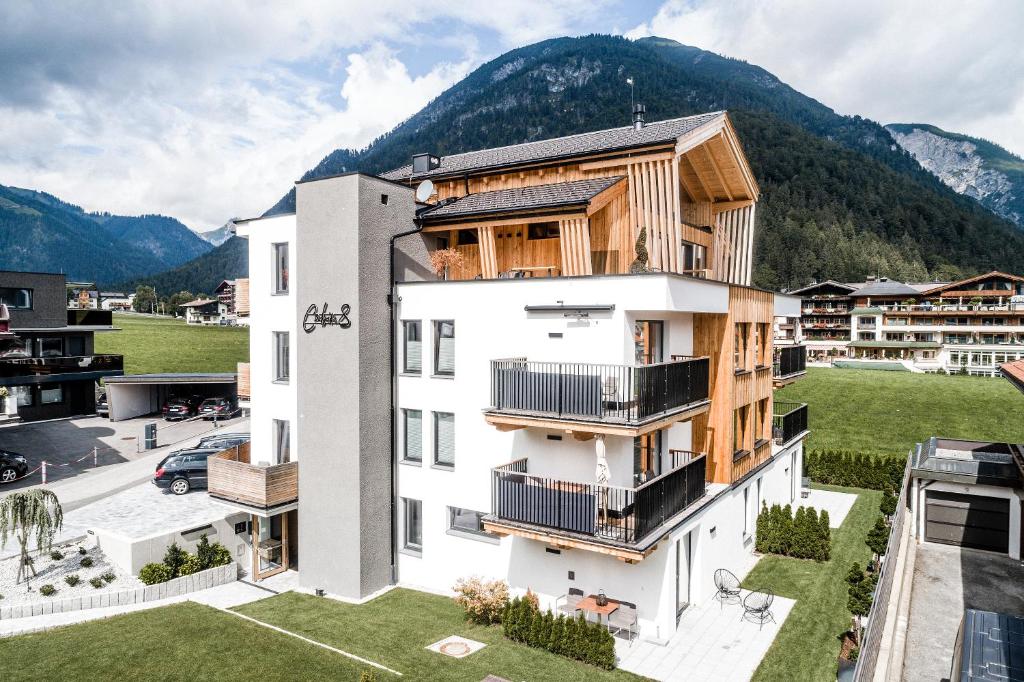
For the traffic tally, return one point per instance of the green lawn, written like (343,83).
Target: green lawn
(185,641)
(157,344)
(808,644)
(394,629)
(886,413)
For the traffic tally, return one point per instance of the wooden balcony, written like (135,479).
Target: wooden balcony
(232,478)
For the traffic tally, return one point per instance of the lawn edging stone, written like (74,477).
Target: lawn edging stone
(211,577)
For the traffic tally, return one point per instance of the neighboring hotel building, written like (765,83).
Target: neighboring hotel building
(47,362)
(536,413)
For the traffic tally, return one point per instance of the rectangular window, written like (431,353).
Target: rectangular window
(49,396)
(694,259)
(16,299)
(412,426)
(543,231)
(467,521)
(740,349)
(746,511)
(444,347)
(739,429)
(23,394)
(412,527)
(412,348)
(282,441)
(467,237)
(281,268)
(444,439)
(51,347)
(281,369)
(16,348)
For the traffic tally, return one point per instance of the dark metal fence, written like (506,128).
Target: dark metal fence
(97,318)
(867,661)
(603,511)
(789,360)
(65,364)
(621,393)
(788,421)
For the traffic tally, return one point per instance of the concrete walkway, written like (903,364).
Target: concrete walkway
(837,504)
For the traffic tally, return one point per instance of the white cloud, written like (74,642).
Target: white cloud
(205,111)
(953,64)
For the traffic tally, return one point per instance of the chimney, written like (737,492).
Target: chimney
(638,116)
(424,163)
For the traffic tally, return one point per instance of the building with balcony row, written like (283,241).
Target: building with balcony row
(47,361)
(542,363)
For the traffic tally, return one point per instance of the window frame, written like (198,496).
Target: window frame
(43,390)
(405,437)
(276,288)
(437,327)
(408,506)
(406,326)
(436,463)
(475,534)
(279,377)
(277,426)
(29,294)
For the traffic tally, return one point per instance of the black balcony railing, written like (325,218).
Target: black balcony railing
(789,361)
(788,421)
(604,512)
(90,318)
(618,393)
(65,364)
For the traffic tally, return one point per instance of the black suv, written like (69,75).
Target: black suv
(217,408)
(12,466)
(181,408)
(183,470)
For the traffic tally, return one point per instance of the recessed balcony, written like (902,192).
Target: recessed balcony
(789,422)
(621,400)
(613,520)
(258,488)
(790,364)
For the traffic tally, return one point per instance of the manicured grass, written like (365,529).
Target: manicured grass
(185,641)
(808,644)
(886,413)
(156,344)
(394,630)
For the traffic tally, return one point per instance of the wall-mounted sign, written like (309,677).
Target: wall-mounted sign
(314,318)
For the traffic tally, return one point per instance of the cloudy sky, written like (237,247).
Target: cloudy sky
(205,111)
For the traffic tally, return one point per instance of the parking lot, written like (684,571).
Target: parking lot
(67,445)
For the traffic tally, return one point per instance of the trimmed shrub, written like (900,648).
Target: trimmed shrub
(154,573)
(878,536)
(221,555)
(888,504)
(108,577)
(86,562)
(72,579)
(47,590)
(483,601)
(853,470)
(96,582)
(190,565)
(803,535)
(56,556)
(174,557)
(83,551)
(570,637)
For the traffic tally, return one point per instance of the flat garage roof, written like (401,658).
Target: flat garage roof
(183,378)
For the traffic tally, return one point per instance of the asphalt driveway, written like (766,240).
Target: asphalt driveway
(948,580)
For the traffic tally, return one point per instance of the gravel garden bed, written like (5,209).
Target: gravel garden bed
(52,571)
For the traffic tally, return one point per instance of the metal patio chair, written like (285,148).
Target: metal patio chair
(727,586)
(569,602)
(757,608)
(623,618)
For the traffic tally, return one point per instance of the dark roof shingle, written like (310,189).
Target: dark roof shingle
(522,198)
(625,137)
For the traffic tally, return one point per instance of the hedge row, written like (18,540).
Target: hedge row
(804,536)
(177,562)
(570,637)
(837,467)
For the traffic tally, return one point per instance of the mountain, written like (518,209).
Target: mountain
(974,167)
(220,235)
(40,232)
(840,198)
(230,260)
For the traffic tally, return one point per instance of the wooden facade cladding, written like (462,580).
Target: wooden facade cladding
(234,479)
(244,381)
(574,241)
(242,296)
(732,389)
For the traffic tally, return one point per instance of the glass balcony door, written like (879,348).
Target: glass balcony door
(270,545)
(649,341)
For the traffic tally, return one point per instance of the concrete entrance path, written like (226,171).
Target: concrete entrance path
(837,504)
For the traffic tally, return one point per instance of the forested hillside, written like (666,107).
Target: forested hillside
(230,260)
(840,198)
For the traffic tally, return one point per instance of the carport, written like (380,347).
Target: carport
(135,395)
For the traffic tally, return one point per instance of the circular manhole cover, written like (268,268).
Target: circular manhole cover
(455,649)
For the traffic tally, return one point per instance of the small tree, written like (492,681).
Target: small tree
(888,505)
(858,597)
(878,537)
(640,264)
(824,536)
(174,558)
(30,512)
(145,299)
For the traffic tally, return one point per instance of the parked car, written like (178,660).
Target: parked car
(217,408)
(181,408)
(102,408)
(223,441)
(183,470)
(12,466)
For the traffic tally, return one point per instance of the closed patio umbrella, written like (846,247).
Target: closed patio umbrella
(603,473)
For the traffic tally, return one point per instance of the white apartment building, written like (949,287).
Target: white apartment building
(488,379)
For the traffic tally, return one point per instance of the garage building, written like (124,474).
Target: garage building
(136,395)
(968,494)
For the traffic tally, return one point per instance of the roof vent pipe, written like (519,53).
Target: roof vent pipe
(638,116)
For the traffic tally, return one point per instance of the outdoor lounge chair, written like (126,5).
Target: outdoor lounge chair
(805,487)
(568,603)
(728,586)
(757,607)
(623,618)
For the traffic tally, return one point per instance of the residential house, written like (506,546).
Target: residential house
(205,311)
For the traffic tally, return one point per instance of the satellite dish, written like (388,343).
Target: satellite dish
(424,191)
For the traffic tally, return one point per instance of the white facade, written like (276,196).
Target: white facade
(212,313)
(491,323)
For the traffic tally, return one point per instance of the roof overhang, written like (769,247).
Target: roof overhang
(158,379)
(582,429)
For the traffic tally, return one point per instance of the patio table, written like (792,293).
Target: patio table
(590,604)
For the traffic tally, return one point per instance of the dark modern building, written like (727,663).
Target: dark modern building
(47,360)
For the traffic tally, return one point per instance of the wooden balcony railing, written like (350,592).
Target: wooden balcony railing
(234,479)
(611,393)
(602,512)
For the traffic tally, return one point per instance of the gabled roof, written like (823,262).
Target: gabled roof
(886,287)
(832,282)
(956,286)
(612,139)
(199,302)
(535,197)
